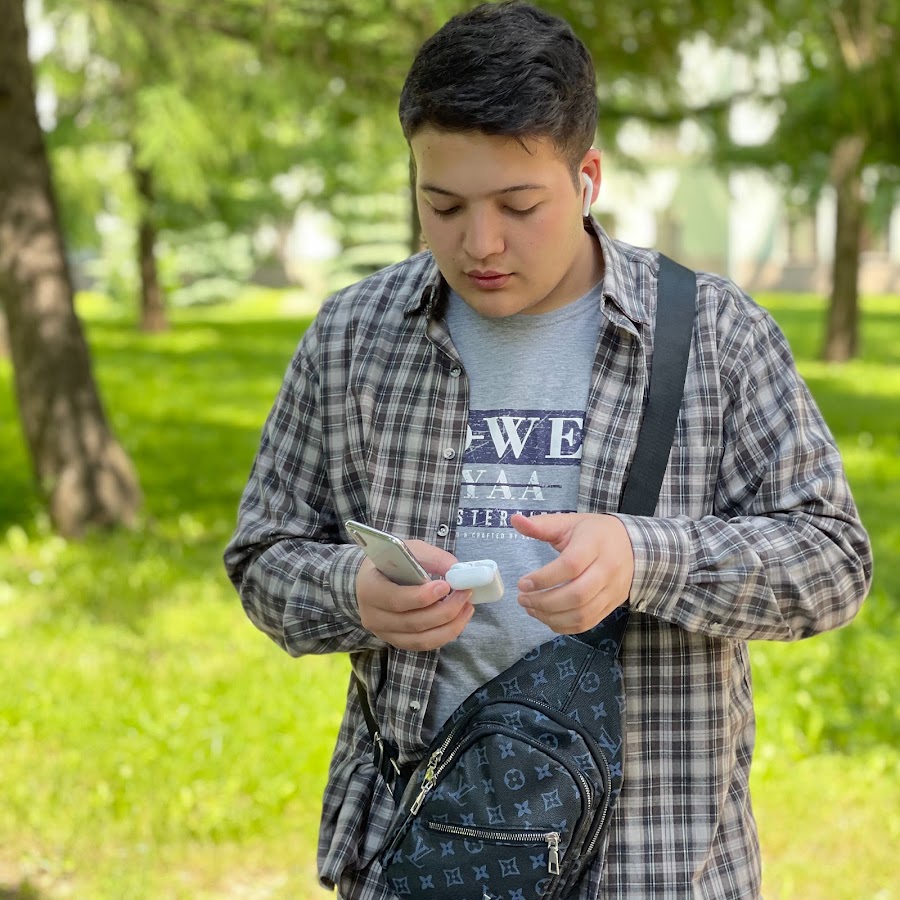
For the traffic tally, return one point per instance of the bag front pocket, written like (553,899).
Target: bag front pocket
(475,839)
(457,862)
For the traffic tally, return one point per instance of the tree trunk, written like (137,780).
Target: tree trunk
(82,471)
(842,330)
(153,304)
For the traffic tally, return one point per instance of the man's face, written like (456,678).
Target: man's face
(504,222)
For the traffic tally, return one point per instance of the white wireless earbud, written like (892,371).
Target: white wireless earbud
(588,194)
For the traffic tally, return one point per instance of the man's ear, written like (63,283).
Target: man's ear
(590,179)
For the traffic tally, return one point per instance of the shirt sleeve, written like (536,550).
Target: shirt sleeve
(296,580)
(783,555)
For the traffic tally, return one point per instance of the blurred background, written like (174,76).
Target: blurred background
(182,182)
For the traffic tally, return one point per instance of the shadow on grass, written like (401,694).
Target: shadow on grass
(850,413)
(803,321)
(188,406)
(231,349)
(23,891)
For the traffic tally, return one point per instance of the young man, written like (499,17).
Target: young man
(451,398)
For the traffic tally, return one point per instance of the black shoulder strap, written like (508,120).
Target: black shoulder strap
(385,753)
(675,310)
(676,303)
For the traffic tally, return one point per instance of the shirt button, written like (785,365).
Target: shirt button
(449,453)
(455,372)
(415,706)
(443,530)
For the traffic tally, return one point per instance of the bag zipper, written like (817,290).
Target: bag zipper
(431,771)
(510,837)
(434,769)
(607,781)
(437,764)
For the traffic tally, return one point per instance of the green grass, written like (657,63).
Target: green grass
(154,745)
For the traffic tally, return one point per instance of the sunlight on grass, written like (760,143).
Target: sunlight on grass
(827,824)
(254,304)
(155,745)
(191,729)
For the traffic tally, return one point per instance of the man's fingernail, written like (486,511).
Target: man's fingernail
(526,585)
(442,590)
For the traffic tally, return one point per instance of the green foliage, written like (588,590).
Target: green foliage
(114,265)
(155,745)
(91,179)
(839,76)
(173,139)
(196,111)
(216,100)
(207,265)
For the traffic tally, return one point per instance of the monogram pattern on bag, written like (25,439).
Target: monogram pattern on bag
(530,764)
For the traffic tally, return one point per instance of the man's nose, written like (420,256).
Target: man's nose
(483,235)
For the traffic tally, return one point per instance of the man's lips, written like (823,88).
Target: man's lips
(488,280)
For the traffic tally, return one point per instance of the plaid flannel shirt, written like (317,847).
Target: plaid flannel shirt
(755,536)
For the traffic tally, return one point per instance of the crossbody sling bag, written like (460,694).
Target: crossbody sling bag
(514,795)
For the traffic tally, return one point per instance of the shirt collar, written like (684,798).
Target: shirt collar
(619,284)
(620,287)
(427,294)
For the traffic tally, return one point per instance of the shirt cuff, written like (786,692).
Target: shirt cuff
(342,581)
(661,550)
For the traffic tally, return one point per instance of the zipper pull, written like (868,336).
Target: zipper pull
(553,847)
(420,799)
(428,782)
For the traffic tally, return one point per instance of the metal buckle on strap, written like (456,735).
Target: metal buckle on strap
(384,753)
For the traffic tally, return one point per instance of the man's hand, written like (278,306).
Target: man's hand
(588,580)
(421,617)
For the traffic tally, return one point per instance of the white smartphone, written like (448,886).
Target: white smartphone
(391,556)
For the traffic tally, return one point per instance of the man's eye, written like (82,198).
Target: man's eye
(445,212)
(522,212)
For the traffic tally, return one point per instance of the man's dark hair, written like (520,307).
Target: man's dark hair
(506,69)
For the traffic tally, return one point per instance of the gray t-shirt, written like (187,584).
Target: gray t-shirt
(529,379)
